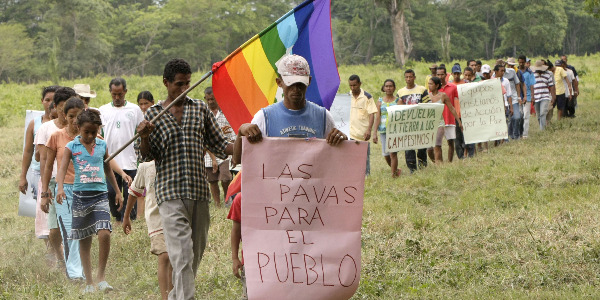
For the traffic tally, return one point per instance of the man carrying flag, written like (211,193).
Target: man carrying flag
(176,143)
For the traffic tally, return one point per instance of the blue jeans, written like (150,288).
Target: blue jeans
(64,214)
(541,108)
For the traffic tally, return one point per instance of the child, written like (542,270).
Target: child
(144,179)
(145,100)
(91,212)
(235,215)
(55,149)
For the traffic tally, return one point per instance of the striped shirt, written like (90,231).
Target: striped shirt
(178,151)
(541,88)
(222,122)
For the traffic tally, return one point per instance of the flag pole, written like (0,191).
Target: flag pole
(137,135)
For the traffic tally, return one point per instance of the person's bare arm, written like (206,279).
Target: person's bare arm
(131,201)
(110,176)
(367,135)
(49,157)
(61,173)
(448,103)
(570,86)
(27,154)
(213,158)
(115,167)
(377,121)
(252,133)
(236,238)
(144,129)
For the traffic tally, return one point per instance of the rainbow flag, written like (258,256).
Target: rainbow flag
(244,82)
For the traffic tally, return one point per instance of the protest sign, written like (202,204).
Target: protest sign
(301,218)
(340,110)
(27,202)
(411,127)
(482,111)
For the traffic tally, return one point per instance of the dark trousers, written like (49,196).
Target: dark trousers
(123,188)
(411,159)
(570,107)
(459,145)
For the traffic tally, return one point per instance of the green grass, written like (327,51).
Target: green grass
(520,221)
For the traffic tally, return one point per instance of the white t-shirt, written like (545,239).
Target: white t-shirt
(144,179)
(119,125)
(506,85)
(42,136)
(259,120)
(570,78)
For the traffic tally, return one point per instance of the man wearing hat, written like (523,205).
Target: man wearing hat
(543,91)
(84,92)
(486,72)
(294,116)
(433,70)
(527,82)
(514,127)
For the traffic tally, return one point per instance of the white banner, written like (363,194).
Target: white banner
(340,110)
(411,127)
(482,111)
(27,202)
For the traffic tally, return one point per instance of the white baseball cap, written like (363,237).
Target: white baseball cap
(293,68)
(485,69)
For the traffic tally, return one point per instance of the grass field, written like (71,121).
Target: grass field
(521,221)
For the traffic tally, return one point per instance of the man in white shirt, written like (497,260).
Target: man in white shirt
(119,121)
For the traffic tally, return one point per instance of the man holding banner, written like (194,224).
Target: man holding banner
(293,117)
(413,94)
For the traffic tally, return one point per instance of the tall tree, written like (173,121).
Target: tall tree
(79,27)
(403,45)
(541,25)
(16,49)
(360,31)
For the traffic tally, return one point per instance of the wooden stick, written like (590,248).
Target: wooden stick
(137,135)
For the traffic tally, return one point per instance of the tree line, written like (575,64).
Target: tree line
(53,39)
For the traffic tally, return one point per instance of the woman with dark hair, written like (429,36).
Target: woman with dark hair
(389,86)
(436,97)
(145,100)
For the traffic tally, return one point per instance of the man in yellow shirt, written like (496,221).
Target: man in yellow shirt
(362,114)
(560,78)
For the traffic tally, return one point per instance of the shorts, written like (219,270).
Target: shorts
(157,244)
(383,144)
(91,213)
(52,218)
(223,174)
(561,101)
(445,131)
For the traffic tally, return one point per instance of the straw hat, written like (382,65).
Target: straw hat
(511,61)
(84,90)
(539,66)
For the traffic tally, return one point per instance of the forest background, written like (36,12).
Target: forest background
(70,39)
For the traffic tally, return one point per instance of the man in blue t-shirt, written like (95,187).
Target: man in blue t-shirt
(527,82)
(294,116)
